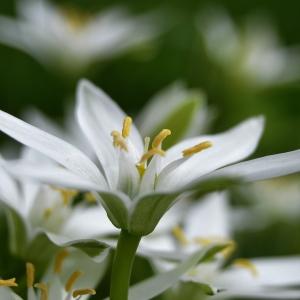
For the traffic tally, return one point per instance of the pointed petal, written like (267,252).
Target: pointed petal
(265,167)
(209,218)
(51,146)
(98,116)
(88,223)
(229,147)
(53,175)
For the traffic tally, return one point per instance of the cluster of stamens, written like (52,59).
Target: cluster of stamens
(119,141)
(180,236)
(43,287)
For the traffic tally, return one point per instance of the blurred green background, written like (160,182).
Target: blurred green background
(177,54)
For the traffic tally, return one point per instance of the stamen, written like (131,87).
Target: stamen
(147,143)
(118,140)
(30,272)
(197,148)
(47,213)
(151,153)
(44,290)
(67,195)
(160,138)
(72,279)
(126,127)
(89,197)
(81,292)
(8,282)
(180,236)
(246,264)
(60,257)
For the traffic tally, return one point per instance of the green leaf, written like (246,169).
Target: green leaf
(156,285)
(116,209)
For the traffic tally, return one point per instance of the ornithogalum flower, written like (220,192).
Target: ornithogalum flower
(208,222)
(72,276)
(138,180)
(62,37)
(35,209)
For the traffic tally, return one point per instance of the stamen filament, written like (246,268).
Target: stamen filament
(81,292)
(126,127)
(246,264)
(72,279)
(8,282)
(60,257)
(44,290)
(30,274)
(157,142)
(197,148)
(151,153)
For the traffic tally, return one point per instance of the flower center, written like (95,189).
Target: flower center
(76,19)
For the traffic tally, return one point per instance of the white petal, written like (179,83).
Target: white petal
(209,218)
(9,192)
(53,175)
(88,223)
(98,116)
(278,271)
(51,146)
(229,147)
(265,167)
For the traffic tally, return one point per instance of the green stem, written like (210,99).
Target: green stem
(122,265)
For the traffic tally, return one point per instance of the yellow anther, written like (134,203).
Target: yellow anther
(150,153)
(246,264)
(126,127)
(72,279)
(118,140)
(30,272)
(8,282)
(44,290)
(67,195)
(59,259)
(157,141)
(180,236)
(197,148)
(82,292)
(89,197)
(203,241)
(47,213)
(228,251)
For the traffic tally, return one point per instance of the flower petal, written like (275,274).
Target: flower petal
(51,146)
(265,167)
(98,116)
(209,218)
(229,147)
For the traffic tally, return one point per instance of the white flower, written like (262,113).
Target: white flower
(208,222)
(67,39)
(271,201)
(131,188)
(46,209)
(253,54)
(72,275)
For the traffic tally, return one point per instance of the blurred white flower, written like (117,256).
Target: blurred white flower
(209,222)
(45,209)
(253,54)
(72,275)
(133,188)
(68,39)
(271,201)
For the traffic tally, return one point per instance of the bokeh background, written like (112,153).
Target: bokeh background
(181,52)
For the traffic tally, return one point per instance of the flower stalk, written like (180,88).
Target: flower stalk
(122,265)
